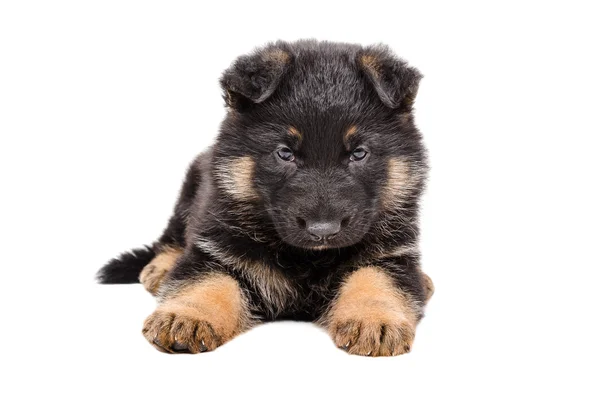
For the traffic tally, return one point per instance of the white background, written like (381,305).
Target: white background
(103,105)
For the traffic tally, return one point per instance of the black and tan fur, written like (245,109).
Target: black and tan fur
(305,208)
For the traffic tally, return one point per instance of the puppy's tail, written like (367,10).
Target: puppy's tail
(126,268)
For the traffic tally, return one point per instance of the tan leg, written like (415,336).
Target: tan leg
(199,317)
(429,288)
(370,316)
(154,272)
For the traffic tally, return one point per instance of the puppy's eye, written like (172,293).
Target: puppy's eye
(286,154)
(358,154)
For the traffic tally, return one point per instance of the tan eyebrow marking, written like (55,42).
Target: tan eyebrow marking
(351,131)
(295,133)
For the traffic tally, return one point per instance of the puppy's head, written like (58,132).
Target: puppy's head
(320,137)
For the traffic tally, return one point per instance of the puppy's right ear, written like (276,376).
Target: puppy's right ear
(253,78)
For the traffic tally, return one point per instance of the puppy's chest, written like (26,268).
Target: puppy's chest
(291,285)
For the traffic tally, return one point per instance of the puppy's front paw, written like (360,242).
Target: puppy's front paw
(181,330)
(199,317)
(371,316)
(373,337)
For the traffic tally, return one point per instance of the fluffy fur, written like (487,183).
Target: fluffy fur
(306,207)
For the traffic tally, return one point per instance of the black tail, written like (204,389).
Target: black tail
(126,268)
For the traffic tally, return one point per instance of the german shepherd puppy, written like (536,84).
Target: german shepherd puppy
(305,208)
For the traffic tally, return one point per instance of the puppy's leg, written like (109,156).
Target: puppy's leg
(191,191)
(199,316)
(428,286)
(170,245)
(154,272)
(371,316)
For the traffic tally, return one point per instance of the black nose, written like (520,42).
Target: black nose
(323,230)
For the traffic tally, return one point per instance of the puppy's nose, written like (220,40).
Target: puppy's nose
(323,230)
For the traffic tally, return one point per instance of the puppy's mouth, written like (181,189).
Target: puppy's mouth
(321,247)
(303,241)
(336,242)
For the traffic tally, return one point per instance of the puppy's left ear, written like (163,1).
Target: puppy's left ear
(396,83)
(254,78)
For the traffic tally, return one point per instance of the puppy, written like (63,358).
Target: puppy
(305,208)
